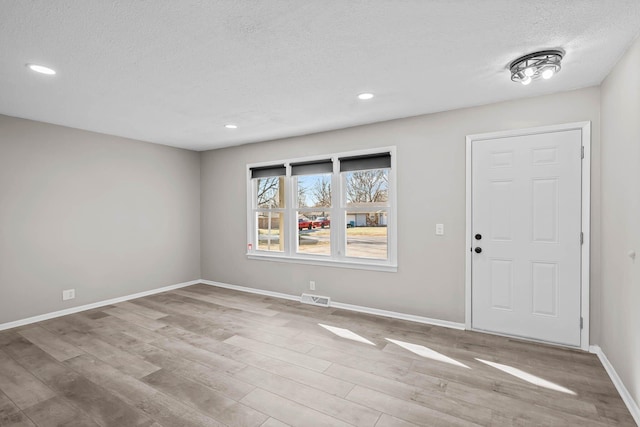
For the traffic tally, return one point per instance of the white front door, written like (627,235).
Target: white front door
(526,236)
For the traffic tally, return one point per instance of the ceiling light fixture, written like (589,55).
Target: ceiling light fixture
(365,96)
(531,67)
(230,126)
(41,69)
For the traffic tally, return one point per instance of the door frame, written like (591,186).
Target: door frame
(585,128)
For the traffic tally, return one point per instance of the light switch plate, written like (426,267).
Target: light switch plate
(439,229)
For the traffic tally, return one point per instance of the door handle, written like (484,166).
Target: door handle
(478,250)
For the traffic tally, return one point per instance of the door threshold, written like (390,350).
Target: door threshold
(531,340)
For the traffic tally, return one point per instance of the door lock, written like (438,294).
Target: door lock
(478,236)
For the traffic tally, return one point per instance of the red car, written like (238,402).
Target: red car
(304,223)
(322,222)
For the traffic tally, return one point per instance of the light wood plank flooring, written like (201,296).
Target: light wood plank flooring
(205,356)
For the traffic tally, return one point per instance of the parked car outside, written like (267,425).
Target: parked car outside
(304,223)
(322,222)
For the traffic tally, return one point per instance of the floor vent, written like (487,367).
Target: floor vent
(315,300)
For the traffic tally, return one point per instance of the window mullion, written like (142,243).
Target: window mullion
(290,209)
(337,214)
(392,224)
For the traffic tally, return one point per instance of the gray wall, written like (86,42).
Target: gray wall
(620,333)
(431,189)
(104,215)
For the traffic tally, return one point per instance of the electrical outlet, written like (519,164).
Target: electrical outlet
(68,294)
(312,285)
(439,229)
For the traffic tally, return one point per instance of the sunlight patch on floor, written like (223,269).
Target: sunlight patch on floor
(525,376)
(423,351)
(346,333)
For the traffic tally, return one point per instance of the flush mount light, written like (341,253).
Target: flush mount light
(365,96)
(230,126)
(531,67)
(41,69)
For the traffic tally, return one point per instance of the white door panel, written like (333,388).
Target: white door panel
(526,205)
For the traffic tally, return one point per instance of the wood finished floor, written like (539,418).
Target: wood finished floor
(205,356)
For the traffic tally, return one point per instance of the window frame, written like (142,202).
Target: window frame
(338,211)
(256,210)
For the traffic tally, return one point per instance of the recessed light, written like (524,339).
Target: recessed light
(230,126)
(41,69)
(365,96)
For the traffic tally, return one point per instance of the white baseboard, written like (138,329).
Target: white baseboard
(632,405)
(98,304)
(351,307)
(250,290)
(402,316)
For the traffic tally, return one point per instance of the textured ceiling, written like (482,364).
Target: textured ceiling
(174,71)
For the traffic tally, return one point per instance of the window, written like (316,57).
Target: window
(269,199)
(312,182)
(336,210)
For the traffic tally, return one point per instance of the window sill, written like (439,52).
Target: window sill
(325,262)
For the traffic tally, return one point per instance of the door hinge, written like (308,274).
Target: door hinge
(581,323)
(582,152)
(581,238)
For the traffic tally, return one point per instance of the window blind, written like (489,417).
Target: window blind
(369,161)
(310,168)
(267,171)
